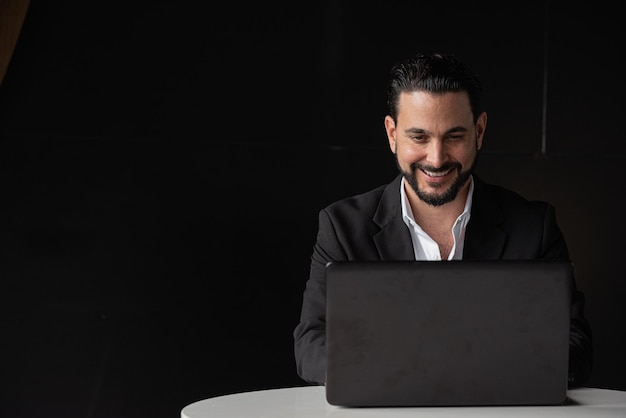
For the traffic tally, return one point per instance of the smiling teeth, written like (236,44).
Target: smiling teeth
(436,174)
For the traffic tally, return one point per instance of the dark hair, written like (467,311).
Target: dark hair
(434,73)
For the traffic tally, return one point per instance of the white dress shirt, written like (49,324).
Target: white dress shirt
(424,247)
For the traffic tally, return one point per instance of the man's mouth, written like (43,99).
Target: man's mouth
(436,173)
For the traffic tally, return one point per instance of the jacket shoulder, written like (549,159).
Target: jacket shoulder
(509,198)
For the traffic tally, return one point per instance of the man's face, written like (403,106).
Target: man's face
(436,143)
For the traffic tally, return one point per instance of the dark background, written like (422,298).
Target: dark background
(163,162)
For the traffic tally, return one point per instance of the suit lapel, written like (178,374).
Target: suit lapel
(484,239)
(394,239)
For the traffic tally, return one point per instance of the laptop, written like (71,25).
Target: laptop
(447,333)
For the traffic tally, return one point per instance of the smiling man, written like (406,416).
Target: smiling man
(436,208)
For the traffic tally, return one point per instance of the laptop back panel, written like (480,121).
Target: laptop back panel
(429,333)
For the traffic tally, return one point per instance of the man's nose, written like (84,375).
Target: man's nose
(437,155)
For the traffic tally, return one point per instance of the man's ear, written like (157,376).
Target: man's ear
(481,126)
(390,128)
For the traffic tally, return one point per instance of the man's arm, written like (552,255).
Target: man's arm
(580,340)
(310,333)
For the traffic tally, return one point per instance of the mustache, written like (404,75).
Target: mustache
(446,167)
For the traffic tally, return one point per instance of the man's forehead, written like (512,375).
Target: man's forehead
(451,106)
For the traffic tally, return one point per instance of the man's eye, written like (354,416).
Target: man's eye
(455,137)
(420,138)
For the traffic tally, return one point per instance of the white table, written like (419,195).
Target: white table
(310,402)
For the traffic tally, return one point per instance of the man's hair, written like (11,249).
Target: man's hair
(434,73)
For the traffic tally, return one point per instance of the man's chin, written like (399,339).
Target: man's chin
(436,188)
(437,195)
(433,199)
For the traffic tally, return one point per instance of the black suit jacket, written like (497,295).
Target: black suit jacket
(369,226)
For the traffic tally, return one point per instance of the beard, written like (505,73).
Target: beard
(448,195)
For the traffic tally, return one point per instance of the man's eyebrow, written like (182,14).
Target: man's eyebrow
(414,131)
(455,129)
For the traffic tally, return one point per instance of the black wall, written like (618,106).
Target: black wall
(163,162)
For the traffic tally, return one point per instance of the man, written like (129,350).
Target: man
(436,208)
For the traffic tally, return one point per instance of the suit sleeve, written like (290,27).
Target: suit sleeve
(310,333)
(580,340)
